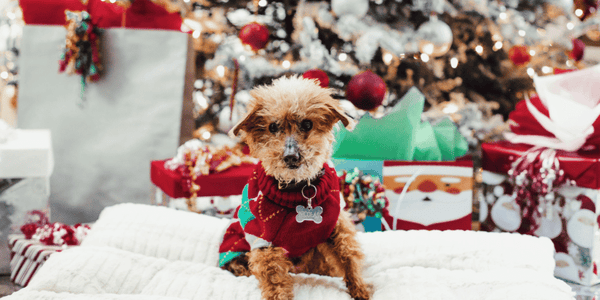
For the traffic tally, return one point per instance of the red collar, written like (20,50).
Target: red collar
(292,198)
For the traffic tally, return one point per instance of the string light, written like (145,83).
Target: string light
(343,56)
(532,52)
(522,32)
(479,49)
(570,26)
(387,58)
(206,135)
(242,58)
(221,71)
(4,75)
(196,34)
(424,57)
(498,45)
(546,69)
(579,12)
(286,64)
(454,62)
(262,3)
(496,37)
(569,63)
(502,15)
(450,108)
(530,72)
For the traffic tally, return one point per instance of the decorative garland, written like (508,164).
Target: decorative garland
(363,194)
(81,55)
(53,234)
(194,159)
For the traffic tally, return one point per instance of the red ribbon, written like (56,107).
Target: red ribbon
(524,123)
(143,14)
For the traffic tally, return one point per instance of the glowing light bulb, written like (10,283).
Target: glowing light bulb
(206,135)
(196,34)
(502,15)
(262,3)
(4,75)
(343,56)
(479,49)
(454,62)
(579,12)
(424,57)
(546,69)
(522,32)
(570,26)
(532,52)
(498,45)
(242,58)
(530,72)
(286,64)
(450,108)
(221,71)
(387,58)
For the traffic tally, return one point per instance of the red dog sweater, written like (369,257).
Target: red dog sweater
(267,216)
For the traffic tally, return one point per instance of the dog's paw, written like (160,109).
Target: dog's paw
(361,292)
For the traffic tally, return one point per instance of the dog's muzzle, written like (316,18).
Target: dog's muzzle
(291,155)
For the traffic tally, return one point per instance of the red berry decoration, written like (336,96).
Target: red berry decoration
(366,90)
(255,35)
(519,54)
(578,49)
(319,75)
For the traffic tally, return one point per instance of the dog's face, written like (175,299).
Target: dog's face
(289,127)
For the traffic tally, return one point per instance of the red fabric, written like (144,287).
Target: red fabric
(526,124)
(226,183)
(143,14)
(582,166)
(463,223)
(275,215)
(465,161)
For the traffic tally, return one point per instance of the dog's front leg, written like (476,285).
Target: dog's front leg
(348,251)
(272,269)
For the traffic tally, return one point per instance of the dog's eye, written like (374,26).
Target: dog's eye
(273,127)
(306,125)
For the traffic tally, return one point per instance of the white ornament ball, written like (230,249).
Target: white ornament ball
(581,228)
(435,37)
(550,227)
(506,214)
(224,123)
(357,8)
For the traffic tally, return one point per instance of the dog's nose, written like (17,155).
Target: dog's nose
(290,153)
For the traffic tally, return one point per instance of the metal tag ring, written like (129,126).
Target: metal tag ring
(314,187)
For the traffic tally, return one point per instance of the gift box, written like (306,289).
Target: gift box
(404,141)
(105,132)
(545,179)
(27,256)
(429,195)
(26,163)
(202,178)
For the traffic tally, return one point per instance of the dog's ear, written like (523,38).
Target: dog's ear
(348,122)
(250,117)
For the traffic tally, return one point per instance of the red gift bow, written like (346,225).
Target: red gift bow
(143,14)
(524,123)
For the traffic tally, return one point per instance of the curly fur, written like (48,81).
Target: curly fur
(287,102)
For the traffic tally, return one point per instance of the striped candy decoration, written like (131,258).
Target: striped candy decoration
(27,256)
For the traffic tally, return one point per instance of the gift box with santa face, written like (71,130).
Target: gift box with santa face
(429,195)
(202,178)
(26,163)
(545,180)
(406,144)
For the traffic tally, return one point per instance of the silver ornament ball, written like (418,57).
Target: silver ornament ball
(357,8)
(435,37)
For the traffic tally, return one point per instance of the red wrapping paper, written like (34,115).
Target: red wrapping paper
(143,14)
(227,183)
(582,166)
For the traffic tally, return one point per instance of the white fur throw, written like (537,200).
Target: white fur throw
(146,252)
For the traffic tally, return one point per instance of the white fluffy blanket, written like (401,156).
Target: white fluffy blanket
(146,252)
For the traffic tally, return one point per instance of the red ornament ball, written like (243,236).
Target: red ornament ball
(519,54)
(319,75)
(366,90)
(578,49)
(255,35)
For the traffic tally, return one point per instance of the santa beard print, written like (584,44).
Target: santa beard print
(430,208)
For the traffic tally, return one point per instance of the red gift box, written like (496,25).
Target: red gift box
(226,183)
(143,14)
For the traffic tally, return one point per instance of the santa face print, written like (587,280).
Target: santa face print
(430,199)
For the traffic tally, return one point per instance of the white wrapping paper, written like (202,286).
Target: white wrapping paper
(132,116)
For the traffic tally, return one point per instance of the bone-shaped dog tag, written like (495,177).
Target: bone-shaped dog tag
(309,214)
